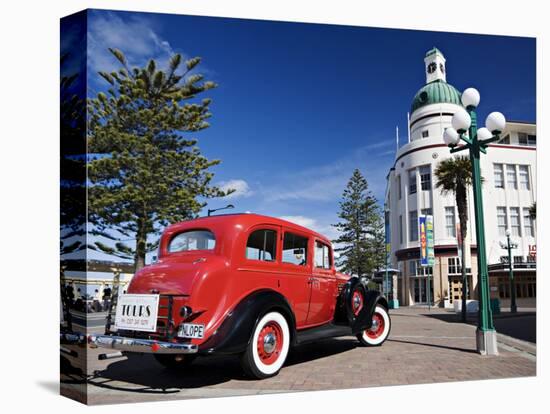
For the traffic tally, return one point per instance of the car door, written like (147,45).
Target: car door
(295,269)
(323,284)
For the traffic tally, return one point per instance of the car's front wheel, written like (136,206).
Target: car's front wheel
(380,329)
(268,347)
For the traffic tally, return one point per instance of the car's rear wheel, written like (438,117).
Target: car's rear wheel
(380,329)
(175,362)
(268,347)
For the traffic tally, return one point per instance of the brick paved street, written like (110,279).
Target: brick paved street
(423,347)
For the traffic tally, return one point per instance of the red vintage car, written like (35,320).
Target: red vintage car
(242,284)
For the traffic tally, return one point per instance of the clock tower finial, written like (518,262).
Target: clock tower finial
(435,66)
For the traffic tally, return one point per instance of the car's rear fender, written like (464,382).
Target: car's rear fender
(233,335)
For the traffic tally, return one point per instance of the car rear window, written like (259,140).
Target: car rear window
(192,240)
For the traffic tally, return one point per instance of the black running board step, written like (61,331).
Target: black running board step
(321,332)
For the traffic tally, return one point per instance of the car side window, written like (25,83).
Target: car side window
(295,249)
(322,256)
(262,245)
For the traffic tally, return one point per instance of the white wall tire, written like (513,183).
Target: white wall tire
(268,347)
(379,332)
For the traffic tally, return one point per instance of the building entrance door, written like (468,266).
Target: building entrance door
(421,290)
(455,288)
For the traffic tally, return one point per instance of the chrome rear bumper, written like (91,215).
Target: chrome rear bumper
(148,346)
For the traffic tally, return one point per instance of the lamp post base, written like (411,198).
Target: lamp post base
(486,342)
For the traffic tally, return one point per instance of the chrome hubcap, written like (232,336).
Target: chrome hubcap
(269,343)
(374,326)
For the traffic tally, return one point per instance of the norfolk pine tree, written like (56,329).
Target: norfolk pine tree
(361,243)
(72,162)
(144,172)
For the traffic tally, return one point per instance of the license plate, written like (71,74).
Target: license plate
(137,312)
(191,330)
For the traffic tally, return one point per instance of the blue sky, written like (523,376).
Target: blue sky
(299,106)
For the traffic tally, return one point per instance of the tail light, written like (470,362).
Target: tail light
(185,312)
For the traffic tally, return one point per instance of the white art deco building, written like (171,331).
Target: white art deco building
(509,190)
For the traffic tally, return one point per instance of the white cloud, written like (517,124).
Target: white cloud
(301,221)
(134,36)
(322,225)
(325,183)
(241,187)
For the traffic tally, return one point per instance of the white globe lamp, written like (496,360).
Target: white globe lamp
(450,136)
(484,133)
(461,120)
(495,122)
(470,98)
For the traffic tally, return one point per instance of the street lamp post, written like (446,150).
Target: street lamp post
(509,245)
(210,211)
(476,142)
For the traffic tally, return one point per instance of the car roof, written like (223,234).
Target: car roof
(247,220)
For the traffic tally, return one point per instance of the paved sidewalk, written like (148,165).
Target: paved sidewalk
(422,348)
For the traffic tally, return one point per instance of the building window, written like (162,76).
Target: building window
(518,259)
(527,139)
(399,186)
(426,212)
(505,140)
(425,178)
(499,175)
(454,266)
(450,222)
(412,181)
(425,134)
(511,179)
(400,229)
(419,271)
(502,223)
(413,225)
(514,221)
(524,177)
(295,249)
(528,223)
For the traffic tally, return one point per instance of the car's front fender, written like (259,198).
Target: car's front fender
(364,318)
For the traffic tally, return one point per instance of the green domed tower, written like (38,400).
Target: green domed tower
(435,103)
(436,90)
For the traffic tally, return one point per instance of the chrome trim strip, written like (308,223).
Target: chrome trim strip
(148,346)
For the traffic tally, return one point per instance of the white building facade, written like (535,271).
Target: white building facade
(509,172)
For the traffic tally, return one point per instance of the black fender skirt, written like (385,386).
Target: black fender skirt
(234,333)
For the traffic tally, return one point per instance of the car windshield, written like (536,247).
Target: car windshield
(192,240)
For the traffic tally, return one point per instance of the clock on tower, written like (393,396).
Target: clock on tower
(435,66)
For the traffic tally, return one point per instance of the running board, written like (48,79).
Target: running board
(329,330)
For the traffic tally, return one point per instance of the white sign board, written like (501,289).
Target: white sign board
(137,312)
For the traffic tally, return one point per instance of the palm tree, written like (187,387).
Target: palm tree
(454,175)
